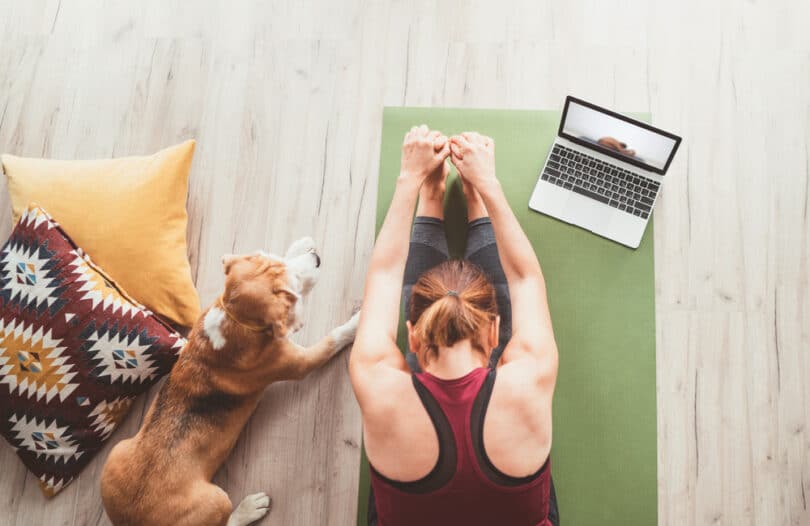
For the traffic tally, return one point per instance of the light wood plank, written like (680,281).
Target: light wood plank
(285,99)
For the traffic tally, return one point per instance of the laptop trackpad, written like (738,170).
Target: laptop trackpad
(588,213)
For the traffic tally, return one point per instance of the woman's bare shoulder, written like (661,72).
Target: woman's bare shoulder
(523,394)
(526,378)
(380,388)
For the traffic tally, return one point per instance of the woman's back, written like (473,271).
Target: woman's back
(463,486)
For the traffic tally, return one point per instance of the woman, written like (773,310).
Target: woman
(460,433)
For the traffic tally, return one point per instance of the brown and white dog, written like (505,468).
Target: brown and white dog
(162,476)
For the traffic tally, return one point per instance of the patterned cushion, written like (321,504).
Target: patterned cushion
(75,351)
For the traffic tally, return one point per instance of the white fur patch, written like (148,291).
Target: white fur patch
(300,246)
(212,326)
(344,334)
(252,508)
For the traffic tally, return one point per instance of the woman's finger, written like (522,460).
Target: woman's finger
(463,144)
(424,130)
(444,152)
(455,150)
(440,142)
(474,137)
(435,136)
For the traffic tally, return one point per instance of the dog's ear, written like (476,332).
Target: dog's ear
(279,312)
(291,298)
(228,261)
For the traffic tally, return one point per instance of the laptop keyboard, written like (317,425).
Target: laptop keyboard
(607,183)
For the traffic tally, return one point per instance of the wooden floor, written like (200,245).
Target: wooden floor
(285,100)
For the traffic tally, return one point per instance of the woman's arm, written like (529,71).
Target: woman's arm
(422,152)
(532,333)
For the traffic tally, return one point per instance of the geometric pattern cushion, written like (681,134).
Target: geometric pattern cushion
(75,351)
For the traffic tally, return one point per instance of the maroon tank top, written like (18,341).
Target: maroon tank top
(464,488)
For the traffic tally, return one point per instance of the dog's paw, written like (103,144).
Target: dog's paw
(301,246)
(252,508)
(344,335)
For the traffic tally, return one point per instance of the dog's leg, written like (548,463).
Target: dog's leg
(304,360)
(252,508)
(343,335)
(202,503)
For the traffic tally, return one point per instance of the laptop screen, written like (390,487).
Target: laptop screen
(618,136)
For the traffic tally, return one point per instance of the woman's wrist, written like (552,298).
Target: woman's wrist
(408,182)
(490,189)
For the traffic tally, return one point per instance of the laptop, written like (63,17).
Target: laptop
(604,172)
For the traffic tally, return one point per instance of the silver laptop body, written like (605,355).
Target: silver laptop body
(604,172)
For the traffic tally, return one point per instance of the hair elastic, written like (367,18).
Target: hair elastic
(452,293)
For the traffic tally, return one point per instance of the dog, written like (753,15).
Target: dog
(162,476)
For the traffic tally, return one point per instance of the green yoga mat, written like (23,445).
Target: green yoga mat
(602,300)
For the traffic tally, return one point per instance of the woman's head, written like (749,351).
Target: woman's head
(452,302)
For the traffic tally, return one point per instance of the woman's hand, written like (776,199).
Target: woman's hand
(423,152)
(473,155)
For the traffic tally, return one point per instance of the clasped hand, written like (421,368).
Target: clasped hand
(424,152)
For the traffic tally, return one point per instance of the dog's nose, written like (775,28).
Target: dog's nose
(317,259)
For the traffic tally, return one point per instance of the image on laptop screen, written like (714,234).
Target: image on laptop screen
(618,137)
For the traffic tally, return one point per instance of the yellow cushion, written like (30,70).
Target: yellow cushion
(128,214)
